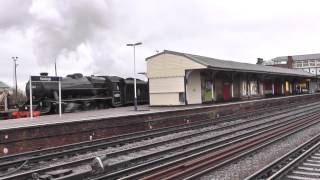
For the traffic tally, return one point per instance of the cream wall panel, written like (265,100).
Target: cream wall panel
(164,99)
(170,65)
(194,88)
(166,85)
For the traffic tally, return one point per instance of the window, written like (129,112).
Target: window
(181,97)
(312,63)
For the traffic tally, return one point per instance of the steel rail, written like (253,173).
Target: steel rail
(130,135)
(216,138)
(43,157)
(42,170)
(281,162)
(184,154)
(294,163)
(177,128)
(194,166)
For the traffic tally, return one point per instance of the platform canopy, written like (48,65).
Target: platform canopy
(226,65)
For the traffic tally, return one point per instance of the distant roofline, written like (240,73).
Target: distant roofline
(293,56)
(164,52)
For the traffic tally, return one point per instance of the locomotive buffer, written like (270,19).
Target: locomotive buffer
(51,79)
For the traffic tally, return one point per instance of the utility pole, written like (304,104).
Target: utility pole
(15,59)
(55,66)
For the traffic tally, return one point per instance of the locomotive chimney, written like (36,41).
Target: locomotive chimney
(44,74)
(259,61)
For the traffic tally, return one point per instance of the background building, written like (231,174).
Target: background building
(308,62)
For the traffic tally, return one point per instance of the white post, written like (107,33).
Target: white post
(261,88)
(212,95)
(212,87)
(282,90)
(249,88)
(134,76)
(272,88)
(60,109)
(134,72)
(232,89)
(6,103)
(30,89)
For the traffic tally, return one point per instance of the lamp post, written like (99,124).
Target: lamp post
(134,73)
(15,77)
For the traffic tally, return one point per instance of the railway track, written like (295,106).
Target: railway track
(87,172)
(14,161)
(196,162)
(140,135)
(302,163)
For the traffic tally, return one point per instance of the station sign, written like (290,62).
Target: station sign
(45,79)
(51,79)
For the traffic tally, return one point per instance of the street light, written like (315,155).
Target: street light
(15,76)
(134,73)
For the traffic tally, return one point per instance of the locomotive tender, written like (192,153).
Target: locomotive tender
(79,93)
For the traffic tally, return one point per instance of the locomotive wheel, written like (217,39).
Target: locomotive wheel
(93,105)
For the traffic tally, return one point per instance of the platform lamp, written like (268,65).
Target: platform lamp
(134,73)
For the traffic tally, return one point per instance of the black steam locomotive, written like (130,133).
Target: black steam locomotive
(80,93)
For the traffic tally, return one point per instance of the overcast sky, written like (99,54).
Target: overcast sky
(90,36)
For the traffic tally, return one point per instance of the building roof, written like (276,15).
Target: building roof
(3,85)
(299,57)
(227,65)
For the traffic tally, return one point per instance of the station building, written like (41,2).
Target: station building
(177,78)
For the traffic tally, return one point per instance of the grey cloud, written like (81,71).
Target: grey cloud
(14,14)
(69,25)
(226,29)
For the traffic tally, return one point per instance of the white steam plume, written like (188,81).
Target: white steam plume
(61,27)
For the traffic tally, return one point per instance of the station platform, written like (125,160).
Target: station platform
(113,112)
(25,134)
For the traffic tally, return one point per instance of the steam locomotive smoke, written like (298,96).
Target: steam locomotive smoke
(93,33)
(62,27)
